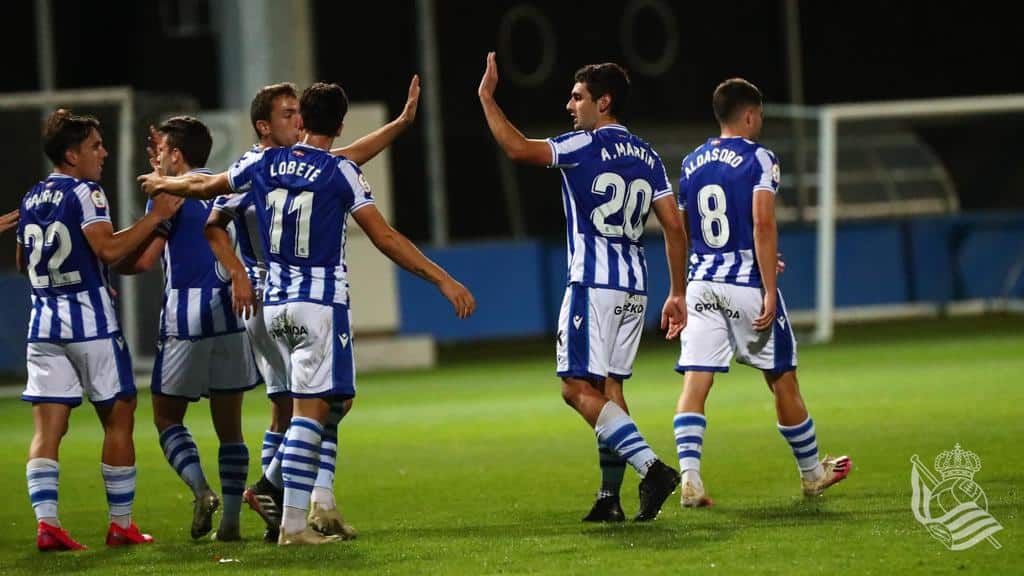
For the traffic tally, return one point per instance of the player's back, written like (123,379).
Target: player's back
(197,297)
(610,178)
(303,196)
(70,296)
(716,189)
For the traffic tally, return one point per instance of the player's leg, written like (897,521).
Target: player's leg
(322,372)
(797,428)
(689,426)
(54,389)
(232,460)
(180,376)
(42,471)
(584,357)
(624,328)
(266,495)
(607,507)
(105,368)
(324,515)
(274,373)
(774,351)
(706,348)
(232,373)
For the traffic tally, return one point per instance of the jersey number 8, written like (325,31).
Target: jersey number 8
(714,225)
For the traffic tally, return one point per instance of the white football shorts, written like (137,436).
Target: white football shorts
(720,325)
(598,332)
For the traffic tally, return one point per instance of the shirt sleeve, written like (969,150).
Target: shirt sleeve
(362,195)
(241,173)
(233,204)
(662,185)
(93,202)
(568,149)
(681,199)
(767,171)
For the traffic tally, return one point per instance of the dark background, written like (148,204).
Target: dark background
(852,51)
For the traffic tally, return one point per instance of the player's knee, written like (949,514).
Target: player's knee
(571,391)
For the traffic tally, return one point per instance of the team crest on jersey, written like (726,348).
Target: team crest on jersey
(298,153)
(98,200)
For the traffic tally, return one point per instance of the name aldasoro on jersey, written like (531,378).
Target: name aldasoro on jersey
(724,155)
(627,149)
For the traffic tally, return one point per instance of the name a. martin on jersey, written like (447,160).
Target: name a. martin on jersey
(626,149)
(714,155)
(51,196)
(295,168)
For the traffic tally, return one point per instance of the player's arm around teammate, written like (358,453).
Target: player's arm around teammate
(8,221)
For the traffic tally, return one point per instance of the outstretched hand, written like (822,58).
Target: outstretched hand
(490,80)
(412,102)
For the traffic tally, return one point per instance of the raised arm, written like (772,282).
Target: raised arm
(192,185)
(673,314)
(112,247)
(243,298)
(517,146)
(401,251)
(766,244)
(364,149)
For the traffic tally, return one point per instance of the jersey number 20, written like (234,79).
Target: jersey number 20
(638,192)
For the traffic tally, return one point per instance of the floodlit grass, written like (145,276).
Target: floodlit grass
(478,467)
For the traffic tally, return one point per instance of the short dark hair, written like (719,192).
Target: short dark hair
(190,136)
(608,78)
(323,107)
(263,102)
(732,96)
(64,130)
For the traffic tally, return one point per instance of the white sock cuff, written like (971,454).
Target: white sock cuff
(42,464)
(611,414)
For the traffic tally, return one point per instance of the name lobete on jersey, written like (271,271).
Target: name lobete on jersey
(716,190)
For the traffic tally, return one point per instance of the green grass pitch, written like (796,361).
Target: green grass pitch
(478,468)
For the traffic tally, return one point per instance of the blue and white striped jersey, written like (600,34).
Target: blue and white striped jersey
(610,177)
(246,231)
(70,288)
(716,189)
(303,197)
(197,291)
